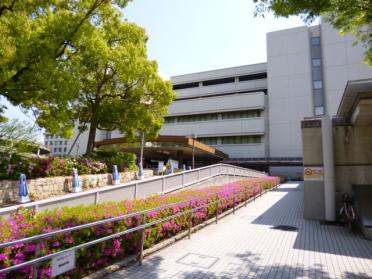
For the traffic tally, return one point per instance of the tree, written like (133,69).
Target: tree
(39,42)
(352,17)
(119,86)
(17,137)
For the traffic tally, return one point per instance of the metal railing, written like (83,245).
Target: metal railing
(257,190)
(136,189)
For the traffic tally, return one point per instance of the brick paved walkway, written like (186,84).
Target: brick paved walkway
(246,246)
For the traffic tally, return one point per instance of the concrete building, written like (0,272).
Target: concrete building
(253,113)
(338,157)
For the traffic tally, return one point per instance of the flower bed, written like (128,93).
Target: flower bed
(25,223)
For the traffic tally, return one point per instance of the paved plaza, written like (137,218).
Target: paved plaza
(246,245)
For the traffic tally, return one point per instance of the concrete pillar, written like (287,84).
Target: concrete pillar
(328,169)
(180,158)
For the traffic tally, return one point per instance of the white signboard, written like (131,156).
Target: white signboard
(63,263)
(313,174)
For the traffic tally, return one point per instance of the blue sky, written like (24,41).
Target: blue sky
(188,36)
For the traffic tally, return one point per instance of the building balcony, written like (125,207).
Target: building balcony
(225,127)
(233,102)
(251,85)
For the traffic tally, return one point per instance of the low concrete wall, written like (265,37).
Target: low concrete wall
(43,188)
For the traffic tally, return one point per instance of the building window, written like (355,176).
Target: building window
(241,139)
(185,85)
(241,114)
(318,84)
(315,41)
(65,149)
(59,149)
(60,142)
(209,141)
(252,77)
(55,149)
(316,62)
(65,142)
(51,143)
(169,120)
(319,110)
(218,81)
(197,117)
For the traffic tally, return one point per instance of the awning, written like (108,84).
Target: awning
(175,147)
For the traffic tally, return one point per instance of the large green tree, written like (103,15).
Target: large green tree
(119,86)
(349,16)
(39,42)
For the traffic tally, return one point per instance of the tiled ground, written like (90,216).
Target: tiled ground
(246,246)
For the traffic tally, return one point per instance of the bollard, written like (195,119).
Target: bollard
(115,175)
(76,187)
(23,189)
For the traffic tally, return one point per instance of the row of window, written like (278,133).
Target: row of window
(56,142)
(220,81)
(231,140)
(317,75)
(59,149)
(53,137)
(213,116)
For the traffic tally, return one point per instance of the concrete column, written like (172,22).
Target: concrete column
(328,169)
(180,158)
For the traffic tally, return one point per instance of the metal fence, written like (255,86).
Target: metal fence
(140,228)
(137,189)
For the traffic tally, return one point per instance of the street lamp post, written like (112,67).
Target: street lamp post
(193,150)
(141,175)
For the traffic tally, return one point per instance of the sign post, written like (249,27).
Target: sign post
(63,263)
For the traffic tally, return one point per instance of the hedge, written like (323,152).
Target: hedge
(25,223)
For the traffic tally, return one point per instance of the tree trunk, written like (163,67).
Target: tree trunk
(91,138)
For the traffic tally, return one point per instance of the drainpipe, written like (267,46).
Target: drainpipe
(329,170)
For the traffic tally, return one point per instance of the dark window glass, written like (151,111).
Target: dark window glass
(253,77)
(241,139)
(185,85)
(197,117)
(218,81)
(209,141)
(241,114)
(169,119)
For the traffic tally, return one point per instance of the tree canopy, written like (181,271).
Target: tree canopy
(350,17)
(39,40)
(120,86)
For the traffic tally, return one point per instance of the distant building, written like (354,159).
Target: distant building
(58,146)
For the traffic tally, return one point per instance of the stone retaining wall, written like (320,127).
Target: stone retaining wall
(43,188)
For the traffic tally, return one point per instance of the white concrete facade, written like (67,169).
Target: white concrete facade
(220,104)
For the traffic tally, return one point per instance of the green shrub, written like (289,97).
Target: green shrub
(125,161)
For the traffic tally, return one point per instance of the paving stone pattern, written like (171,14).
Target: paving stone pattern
(246,245)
